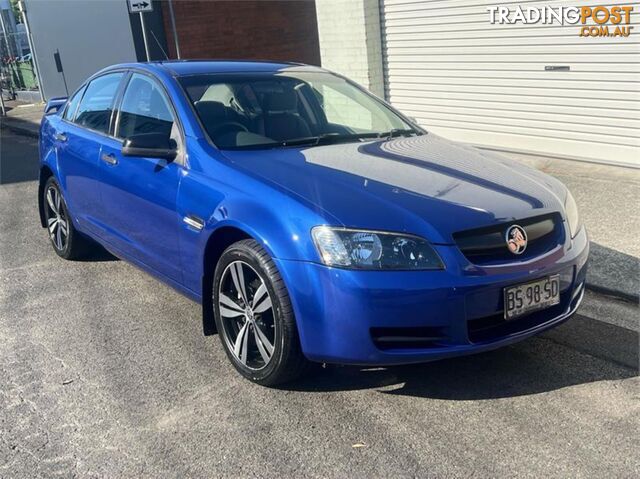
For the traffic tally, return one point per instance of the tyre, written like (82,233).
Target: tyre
(67,242)
(254,316)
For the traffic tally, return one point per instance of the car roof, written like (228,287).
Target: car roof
(194,67)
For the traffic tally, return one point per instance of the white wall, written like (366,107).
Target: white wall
(90,35)
(350,42)
(489,84)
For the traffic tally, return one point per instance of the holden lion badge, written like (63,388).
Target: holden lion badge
(516,238)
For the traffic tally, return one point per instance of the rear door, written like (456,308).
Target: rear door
(86,123)
(139,194)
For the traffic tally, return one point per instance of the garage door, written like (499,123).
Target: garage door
(517,87)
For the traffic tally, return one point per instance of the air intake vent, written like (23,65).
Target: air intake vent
(408,338)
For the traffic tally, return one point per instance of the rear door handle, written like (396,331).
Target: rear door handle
(61,137)
(109,159)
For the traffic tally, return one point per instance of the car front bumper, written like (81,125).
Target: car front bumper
(401,317)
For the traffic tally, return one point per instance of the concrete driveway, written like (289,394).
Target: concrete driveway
(105,372)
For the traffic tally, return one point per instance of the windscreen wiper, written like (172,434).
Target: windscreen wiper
(327,139)
(398,132)
(333,138)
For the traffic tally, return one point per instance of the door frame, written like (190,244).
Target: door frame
(115,121)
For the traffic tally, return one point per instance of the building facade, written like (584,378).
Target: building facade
(532,87)
(93,34)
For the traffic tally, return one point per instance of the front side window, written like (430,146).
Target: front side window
(144,109)
(96,106)
(288,108)
(72,105)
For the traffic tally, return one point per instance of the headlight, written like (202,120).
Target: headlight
(571,210)
(361,249)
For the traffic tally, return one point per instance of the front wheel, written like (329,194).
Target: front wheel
(254,316)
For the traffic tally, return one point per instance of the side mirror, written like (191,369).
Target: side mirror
(150,145)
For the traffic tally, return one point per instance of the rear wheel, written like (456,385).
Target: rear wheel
(67,242)
(254,316)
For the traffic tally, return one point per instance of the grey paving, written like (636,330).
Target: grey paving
(105,372)
(23,118)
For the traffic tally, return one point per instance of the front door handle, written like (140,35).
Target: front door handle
(109,158)
(61,137)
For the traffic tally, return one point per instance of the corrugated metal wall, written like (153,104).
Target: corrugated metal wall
(469,80)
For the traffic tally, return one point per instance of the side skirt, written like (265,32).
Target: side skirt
(142,266)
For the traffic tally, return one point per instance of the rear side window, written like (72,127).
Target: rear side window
(96,106)
(72,105)
(144,109)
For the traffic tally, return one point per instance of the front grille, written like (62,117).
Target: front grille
(487,245)
(495,326)
(408,338)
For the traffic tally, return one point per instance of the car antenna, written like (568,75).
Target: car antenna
(166,57)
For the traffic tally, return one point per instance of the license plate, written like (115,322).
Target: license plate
(529,297)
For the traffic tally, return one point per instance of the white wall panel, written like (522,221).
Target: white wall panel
(485,84)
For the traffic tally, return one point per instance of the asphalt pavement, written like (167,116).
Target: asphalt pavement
(105,372)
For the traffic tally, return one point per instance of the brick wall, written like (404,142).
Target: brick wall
(267,29)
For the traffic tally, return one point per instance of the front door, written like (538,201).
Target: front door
(139,194)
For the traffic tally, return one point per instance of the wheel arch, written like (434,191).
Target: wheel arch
(281,226)
(45,174)
(219,240)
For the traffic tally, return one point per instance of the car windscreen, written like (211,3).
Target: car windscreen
(268,110)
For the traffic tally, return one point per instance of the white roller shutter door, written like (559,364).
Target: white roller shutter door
(469,80)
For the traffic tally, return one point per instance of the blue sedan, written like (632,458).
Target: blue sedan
(312,221)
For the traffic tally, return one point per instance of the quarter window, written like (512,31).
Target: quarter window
(72,105)
(145,109)
(96,106)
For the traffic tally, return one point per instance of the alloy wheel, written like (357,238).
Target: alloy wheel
(247,315)
(57,221)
